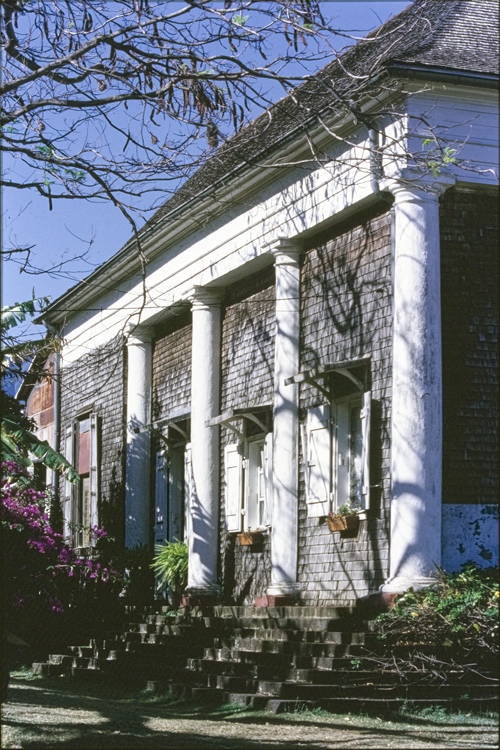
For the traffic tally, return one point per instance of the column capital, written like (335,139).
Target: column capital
(284,250)
(202,297)
(137,335)
(412,186)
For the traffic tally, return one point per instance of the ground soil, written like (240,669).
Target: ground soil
(50,714)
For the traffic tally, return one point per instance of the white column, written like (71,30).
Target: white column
(286,422)
(205,400)
(416,430)
(138,462)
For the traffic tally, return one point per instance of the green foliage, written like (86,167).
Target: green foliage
(347,509)
(459,612)
(239,20)
(438,157)
(18,441)
(171,564)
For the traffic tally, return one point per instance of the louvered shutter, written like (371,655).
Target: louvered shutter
(365,463)
(268,474)
(68,486)
(319,461)
(233,478)
(94,469)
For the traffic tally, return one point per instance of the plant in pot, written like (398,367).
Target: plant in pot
(170,565)
(346,518)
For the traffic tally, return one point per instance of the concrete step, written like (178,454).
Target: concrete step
(307,691)
(338,646)
(284,612)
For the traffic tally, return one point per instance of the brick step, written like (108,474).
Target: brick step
(350,705)
(62,659)
(298,660)
(307,691)
(239,612)
(46,669)
(338,676)
(338,646)
(290,636)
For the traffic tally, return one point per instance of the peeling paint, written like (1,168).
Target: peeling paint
(469,532)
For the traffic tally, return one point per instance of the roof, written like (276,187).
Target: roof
(438,36)
(458,34)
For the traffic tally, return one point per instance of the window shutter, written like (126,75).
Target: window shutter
(233,477)
(160,486)
(268,474)
(319,461)
(342,484)
(188,491)
(68,486)
(94,469)
(365,463)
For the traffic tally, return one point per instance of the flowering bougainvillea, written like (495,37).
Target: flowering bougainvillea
(40,570)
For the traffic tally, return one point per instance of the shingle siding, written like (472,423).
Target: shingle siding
(97,381)
(247,379)
(469,283)
(346,315)
(172,367)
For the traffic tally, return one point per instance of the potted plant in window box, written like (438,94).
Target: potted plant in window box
(251,537)
(345,519)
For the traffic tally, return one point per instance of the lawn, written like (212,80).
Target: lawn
(57,713)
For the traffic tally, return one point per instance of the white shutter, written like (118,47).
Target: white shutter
(68,486)
(233,478)
(268,474)
(160,486)
(365,463)
(188,491)
(319,461)
(94,470)
(342,456)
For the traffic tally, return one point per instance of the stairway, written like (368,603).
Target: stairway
(271,658)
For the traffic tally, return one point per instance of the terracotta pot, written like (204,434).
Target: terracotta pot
(247,538)
(343,523)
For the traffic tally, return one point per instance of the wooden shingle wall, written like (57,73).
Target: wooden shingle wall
(97,383)
(469,283)
(247,377)
(346,315)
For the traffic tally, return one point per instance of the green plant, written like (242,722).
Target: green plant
(170,565)
(459,612)
(438,156)
(347,509)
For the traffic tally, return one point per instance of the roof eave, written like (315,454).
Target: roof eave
(443,74)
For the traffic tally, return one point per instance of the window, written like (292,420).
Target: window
(173,479)
(81,500)
(336,447)
(248,483)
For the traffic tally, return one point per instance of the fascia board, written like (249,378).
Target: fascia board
(175,226)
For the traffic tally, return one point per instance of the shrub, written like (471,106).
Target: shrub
(50,594)
(459,612)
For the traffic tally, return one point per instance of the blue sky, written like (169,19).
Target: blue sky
(75,227)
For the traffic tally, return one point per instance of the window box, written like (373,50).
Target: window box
(250,538)
(343,523)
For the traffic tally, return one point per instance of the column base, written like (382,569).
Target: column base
(286,588)
(400,584)
(375,603)
(203,596)
(276,601)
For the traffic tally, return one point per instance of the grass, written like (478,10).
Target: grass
(57,712)
(407,713)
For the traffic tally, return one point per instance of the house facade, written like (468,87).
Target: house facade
(316,325)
